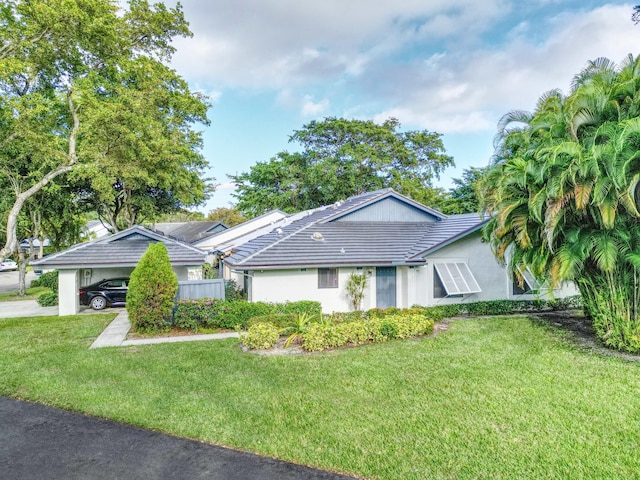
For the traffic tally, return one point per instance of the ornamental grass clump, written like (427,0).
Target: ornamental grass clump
(152,291)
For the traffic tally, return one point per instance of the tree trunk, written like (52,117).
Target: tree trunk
(22,275)
(608,300)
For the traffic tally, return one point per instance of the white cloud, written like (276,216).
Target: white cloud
(421,61)
(282,43)
(312,109)
(470,91)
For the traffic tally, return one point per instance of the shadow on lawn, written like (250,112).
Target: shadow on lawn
(580,332)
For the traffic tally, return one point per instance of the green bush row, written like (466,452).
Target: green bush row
(48,280)
(491,307)
(215,313)
(279,320)
(379,325)
(324,335)
(505,307)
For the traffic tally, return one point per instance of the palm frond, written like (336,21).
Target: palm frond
(605,252)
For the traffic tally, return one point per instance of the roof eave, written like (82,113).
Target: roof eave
(449,241)
(390,263)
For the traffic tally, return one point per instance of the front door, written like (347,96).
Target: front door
(385,287)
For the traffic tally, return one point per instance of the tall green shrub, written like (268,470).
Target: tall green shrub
(49,280)
(152,291)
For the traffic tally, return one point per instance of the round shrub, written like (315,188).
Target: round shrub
(48,299)
(152,290)
(260,336)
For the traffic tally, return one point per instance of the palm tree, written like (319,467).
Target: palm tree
(562,194)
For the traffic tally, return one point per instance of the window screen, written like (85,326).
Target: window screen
(327,278)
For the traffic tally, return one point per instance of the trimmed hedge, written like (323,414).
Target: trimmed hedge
(215,313)
(504,307)
(324,335)
(279,320)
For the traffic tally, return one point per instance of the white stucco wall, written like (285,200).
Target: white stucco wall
(490,275)
(89,276)
(299,284)
(93,275)
(414,285)
(68,298)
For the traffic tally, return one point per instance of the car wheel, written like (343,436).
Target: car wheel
(98,303)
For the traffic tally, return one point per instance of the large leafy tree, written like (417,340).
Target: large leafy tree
(563,194)
(73,74)
(340,158)
(464,195)
(229,216)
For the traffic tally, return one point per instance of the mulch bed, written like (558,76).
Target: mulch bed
(581,333)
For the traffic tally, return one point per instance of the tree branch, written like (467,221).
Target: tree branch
(12,244)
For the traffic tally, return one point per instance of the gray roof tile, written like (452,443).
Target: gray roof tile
(351,243)
(123,249)
(190,231)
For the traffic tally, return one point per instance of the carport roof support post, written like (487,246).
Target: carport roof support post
(68,297)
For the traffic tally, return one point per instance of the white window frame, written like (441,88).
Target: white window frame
(328,277)
(533,287)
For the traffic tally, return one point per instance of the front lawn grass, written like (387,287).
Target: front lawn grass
(490,398)
(31,294)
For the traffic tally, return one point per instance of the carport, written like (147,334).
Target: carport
(114,256)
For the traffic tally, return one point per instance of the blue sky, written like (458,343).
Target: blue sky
(450,66)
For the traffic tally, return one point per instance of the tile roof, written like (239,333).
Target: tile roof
(124,249)
(243,232)
(189,231)
(357,243)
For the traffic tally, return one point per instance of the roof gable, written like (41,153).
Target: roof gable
(123,249)
(344,234)
(133,237)
(382,205)
(389,209)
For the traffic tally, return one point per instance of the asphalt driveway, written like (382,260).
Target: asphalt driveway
(38,442)
(9,280)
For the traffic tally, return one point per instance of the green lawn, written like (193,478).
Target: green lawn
(31,294)
(491,398)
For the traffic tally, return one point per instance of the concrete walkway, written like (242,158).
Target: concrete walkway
(116,333)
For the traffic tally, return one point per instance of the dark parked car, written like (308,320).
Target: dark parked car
(105,293)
